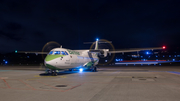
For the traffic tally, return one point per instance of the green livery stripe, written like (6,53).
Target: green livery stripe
(51,57)
(52,67)
(89,64)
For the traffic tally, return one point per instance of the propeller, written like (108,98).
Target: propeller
(104,44)
(49,46)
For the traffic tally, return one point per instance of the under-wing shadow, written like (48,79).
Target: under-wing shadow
(62,73)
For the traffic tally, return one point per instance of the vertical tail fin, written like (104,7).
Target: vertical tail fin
(96,45)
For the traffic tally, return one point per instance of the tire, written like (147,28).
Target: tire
(95,69)
(55,74)
(52,74)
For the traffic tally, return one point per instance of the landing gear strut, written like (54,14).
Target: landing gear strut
(94,69)
(70,69)
(53,73)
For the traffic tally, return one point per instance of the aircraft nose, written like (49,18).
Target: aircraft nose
(49,63)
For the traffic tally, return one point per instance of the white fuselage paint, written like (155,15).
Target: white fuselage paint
(73,60)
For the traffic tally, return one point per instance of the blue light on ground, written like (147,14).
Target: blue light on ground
(174,72)
(80,69)
(6,62)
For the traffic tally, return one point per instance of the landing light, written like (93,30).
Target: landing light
(80,69)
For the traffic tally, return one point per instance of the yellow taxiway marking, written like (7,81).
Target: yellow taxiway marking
(38,77)
(124,76)
(50,76)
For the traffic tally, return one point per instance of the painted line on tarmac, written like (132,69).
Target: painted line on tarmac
(3,77)
(73,87)
(39,77)
(6,83)
(27,84)
(49,85)
(5,70)
(30,89)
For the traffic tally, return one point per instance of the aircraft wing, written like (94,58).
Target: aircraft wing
(26,52)
(136,49)
(124,50)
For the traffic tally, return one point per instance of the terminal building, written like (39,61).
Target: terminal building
(148,57)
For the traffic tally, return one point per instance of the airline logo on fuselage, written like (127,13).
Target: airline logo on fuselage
(73,52)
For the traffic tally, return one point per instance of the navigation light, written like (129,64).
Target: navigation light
(164,47)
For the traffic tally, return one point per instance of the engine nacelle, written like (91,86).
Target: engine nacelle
(104,52)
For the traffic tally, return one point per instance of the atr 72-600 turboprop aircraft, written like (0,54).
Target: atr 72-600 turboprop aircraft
(61,58)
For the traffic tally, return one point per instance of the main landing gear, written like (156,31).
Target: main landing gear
(94,69)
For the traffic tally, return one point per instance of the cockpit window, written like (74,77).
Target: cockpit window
(58,53)
(51,52)
(66,52)
(63,53)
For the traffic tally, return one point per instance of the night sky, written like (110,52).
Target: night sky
(30,24)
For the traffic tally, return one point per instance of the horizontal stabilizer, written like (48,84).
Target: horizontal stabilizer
(98,42)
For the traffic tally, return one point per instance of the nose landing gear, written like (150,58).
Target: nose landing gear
(54,73)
